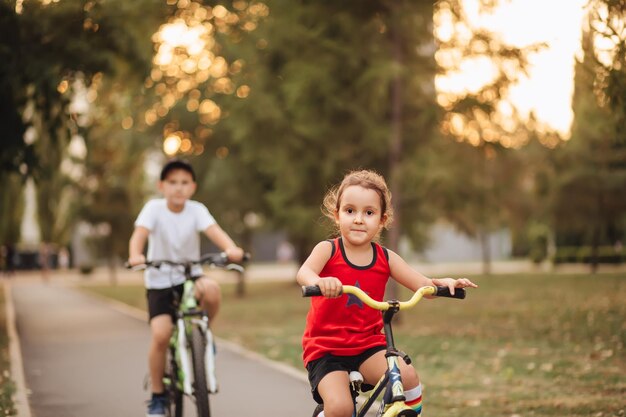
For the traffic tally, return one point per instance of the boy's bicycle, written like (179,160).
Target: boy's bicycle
(190,365)
(390,384)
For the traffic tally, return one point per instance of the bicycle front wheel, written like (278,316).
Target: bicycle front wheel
(201,392)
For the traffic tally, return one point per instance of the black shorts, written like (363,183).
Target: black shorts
(161,301)
(328,363)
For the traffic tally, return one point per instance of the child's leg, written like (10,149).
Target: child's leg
(376,365)
(161,331)
(412,387)
(334,389)
(209,294)
(414,398)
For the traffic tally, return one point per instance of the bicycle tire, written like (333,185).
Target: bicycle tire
(175,394)
(201,391)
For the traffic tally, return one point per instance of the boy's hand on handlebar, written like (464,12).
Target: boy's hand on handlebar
(331,287)
(452,283)
(136,260)
(234,254)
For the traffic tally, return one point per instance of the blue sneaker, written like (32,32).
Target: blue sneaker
(157,407)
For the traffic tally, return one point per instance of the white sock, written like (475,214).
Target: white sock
(413,393)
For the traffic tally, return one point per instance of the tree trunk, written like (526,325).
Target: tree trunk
(485,247)
(112,270)
(240,291)
(594,249)
(395,151)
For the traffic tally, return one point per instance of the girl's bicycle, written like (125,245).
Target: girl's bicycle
(190,366)
(390,384)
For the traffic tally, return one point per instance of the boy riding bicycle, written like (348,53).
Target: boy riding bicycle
(171,226)
(341,334)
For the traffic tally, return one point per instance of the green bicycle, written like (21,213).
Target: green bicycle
(390,384)
(190,366)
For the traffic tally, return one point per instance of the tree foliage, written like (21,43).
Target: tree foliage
(482,192)
(320,77)
(51,49)
(275,101)
(589,205)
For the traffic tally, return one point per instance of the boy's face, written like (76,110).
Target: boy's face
(177,187)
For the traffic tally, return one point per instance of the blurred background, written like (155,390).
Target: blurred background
(499,124)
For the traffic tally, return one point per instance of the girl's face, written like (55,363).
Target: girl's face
(360,216)
(177,188)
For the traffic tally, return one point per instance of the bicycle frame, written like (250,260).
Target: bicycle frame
(189,315)
(390,384)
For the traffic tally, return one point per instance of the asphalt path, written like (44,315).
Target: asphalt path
(84,357)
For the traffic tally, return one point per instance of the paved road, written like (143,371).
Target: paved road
(84,358)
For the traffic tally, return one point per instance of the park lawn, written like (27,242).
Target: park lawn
(7,386)
(520,345)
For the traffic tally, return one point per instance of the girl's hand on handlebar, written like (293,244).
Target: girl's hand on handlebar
(452,283)
(331,287)
(136,260)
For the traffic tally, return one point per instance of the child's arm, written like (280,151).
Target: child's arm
(308,274)
(413,280)
(136,245)
(224,242)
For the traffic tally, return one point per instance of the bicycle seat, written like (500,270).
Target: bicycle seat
(356,381)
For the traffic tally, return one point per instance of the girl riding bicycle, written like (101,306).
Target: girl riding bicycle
(342,334)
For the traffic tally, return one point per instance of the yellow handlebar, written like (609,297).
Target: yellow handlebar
(314,290)
(384,305)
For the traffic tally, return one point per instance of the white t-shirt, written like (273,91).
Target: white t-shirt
(173,237)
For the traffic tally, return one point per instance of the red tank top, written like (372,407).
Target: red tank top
(344,326)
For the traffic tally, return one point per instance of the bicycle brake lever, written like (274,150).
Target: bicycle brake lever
(405,357)
(235,267)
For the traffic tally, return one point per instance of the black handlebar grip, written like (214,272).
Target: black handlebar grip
(311,291)
(445,292)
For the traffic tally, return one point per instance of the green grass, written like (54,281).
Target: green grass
(7,386)
(520,345)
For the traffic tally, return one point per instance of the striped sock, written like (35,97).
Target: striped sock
(414,398)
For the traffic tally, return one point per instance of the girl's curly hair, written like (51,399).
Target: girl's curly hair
(366,179)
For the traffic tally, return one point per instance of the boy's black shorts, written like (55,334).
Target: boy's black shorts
(328,363)
(161,300)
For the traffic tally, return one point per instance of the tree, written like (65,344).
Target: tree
(14,152)
(320,79)
(607,27)
(486,194)
(11,208)
(112,184)
(53,48)
(589,204)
